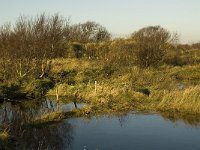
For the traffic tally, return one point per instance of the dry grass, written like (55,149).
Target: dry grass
(48,118)
(119,92)
(187,101)
(71,63)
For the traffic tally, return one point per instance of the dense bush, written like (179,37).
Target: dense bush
(121,52)
(38,87)
(64,76)
(77,50)
(152,44)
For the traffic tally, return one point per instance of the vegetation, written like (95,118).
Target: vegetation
(148,70)
(48,118)
(4,136)
(4,139)
(156,89)
(152,45)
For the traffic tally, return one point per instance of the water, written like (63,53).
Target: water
(136,131)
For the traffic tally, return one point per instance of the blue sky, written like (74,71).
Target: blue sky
(120,17)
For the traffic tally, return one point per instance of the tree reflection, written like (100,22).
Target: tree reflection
(191,120)
(58,136)
(16,118)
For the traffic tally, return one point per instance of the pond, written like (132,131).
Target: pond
(140,131)
(133,131)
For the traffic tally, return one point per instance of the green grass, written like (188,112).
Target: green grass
(186,101)
(51,117)
(172,89)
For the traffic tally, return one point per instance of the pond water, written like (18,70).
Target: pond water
(135,130)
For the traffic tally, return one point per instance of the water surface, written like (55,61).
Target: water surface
(134,131)
(137,131)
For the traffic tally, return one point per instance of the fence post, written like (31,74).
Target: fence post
(95,84)
(57,97)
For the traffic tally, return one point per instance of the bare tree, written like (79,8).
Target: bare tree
(88,32)
(31,43)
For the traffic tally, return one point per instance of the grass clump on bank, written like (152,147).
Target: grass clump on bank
(185,101)
(48,118)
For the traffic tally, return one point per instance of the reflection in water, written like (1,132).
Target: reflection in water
(46,137)
(134,130)
(190,120)
(16,116)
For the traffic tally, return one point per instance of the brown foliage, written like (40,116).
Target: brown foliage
(152,43)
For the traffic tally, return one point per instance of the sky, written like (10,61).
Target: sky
(120,17)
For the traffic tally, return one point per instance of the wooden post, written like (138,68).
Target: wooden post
(20,69)
(57,97)
(95,85)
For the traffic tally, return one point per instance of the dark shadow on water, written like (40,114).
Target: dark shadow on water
(14,117)
(49,137)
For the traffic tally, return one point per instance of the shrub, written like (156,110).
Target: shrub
(178,57)
(176,61)
(152,43)
(38,87)
(65,76)
(78,50)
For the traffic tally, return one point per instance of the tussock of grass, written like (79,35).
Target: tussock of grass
(187,101)
(49,118)
(4,135)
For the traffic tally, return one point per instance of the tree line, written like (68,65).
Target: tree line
(28,46)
